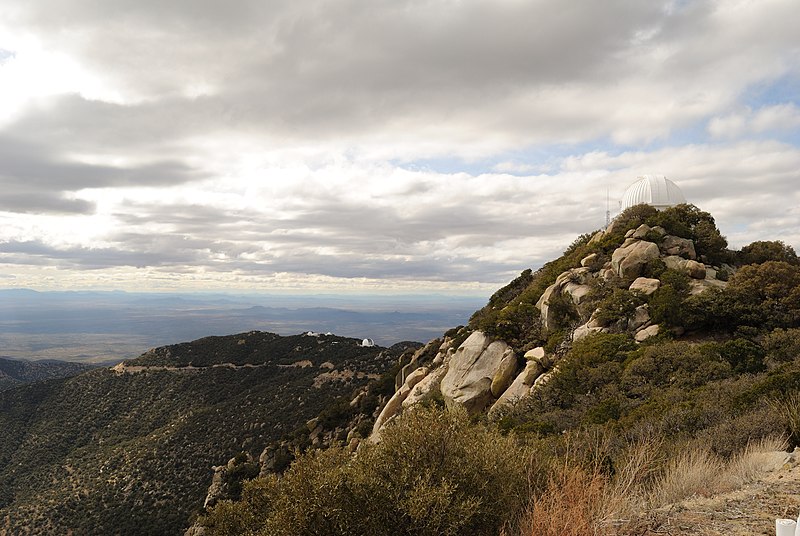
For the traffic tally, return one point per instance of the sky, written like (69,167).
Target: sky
(377,146)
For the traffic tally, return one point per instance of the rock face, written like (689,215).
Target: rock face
(682,247)
(519,389)
(573,284)
(468,381)
(395,404)
(628,261)
(504,374)
(426,389)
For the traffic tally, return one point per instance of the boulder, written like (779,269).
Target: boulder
(572,282)
(426,389)
(697,286)
(519,389)
(660,231)
(645,285)
(577,292)
(628,261)
(591,261)
(641,316)
(468,380)
(673,262)
(682,247)
(641,231)
(395,404)
(695,270)
(539,355)
(504,374)
(584,330)
(646,333)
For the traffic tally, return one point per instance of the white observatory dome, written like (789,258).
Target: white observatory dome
(654,190)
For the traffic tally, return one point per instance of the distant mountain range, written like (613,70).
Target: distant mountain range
(106,327)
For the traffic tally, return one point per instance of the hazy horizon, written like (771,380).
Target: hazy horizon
(108,326)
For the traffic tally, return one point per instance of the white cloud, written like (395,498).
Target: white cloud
(395,143)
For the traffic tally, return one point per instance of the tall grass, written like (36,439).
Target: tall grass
(583,498)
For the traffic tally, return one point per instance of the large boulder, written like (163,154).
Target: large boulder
(426,389)
(645,285)
(628,261)
(519,390)
(640,232)
(539,355)
(573,283)
(468,381)
(395,404)
(695,270)
(682,247)
(504,374)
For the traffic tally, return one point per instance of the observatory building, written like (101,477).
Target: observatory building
(654,190)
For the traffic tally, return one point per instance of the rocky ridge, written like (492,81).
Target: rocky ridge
(482,373)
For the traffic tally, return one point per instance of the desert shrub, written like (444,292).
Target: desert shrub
(743,355)
(618,305)
(571,506)
(677,364)
(432,473)
(732,434)
(585,379)
(767,294)
(666,302)
(782,346)
(763,251)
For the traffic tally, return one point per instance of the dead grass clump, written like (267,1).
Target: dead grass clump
(755,459)
(694,471)
(571,505)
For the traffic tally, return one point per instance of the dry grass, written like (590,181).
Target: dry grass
(582,500)
(788,407)
(756,458)
(571,505)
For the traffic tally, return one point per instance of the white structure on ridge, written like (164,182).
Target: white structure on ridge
(654,190)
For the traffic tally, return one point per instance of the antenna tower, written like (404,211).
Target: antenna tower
(608,210)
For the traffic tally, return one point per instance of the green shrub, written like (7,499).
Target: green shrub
(618,305)
(763,251)
(782,346)
(666,302)
(433,473)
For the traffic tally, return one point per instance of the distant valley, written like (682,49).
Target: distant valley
(106,327)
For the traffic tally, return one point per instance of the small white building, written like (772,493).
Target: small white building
(654,190)
(367,343)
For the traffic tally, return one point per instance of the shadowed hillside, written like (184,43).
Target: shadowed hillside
(130,450)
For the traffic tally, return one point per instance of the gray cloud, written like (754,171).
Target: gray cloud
(36,178)
(281,125)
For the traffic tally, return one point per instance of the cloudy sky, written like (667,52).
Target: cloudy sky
(376,145)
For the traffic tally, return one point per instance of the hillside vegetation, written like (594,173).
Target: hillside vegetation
(583,397)
(130,450)
(15,372)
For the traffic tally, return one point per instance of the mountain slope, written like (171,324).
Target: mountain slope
(129,450)
(14,372)
(650,332)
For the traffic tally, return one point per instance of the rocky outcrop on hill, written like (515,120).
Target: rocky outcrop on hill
(485,373)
